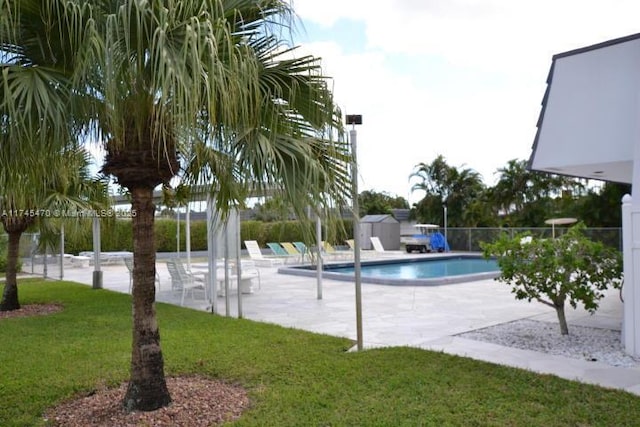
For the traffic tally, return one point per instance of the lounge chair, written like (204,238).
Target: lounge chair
(255,253)
(279,251)
(329,250)
(363,253)
(303,249)
(292,250)
(380,250)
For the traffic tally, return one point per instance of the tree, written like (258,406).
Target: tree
(527,198)
(62,191)
(42,169)
(273,209)
(457,188)
(205,91)
(373,202)
(570,267)
(601,207)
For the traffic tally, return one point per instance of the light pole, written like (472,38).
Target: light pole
(353,120)
(444,205)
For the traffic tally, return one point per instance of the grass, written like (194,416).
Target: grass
(294,377)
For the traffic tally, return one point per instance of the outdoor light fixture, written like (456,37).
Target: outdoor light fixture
(356,119)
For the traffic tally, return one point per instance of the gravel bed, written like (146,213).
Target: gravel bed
(592,344)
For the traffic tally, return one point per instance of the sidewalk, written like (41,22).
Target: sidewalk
(424,317)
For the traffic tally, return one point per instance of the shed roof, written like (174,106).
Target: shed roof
(378,218)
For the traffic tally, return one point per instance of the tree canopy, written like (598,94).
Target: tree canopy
(519,198)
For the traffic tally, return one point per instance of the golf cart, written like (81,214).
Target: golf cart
(421,242)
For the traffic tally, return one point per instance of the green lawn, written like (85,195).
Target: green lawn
(294,377)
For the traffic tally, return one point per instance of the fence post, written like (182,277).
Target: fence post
(630,254)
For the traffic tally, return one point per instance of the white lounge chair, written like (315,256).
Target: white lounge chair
(256,255)
(363,253)
(380,250)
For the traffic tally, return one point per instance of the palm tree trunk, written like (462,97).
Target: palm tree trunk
(147,389)
(10,295)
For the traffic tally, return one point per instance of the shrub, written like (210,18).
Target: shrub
(570,267)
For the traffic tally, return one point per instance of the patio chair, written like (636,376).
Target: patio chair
(281,252)
(128,261)
(255,253)
(183,281)
(292,250)
(380,250)
(363,253)
(301,247)
(304,250)
(277,249)
(329,250)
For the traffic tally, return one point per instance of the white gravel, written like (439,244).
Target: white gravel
(593,344)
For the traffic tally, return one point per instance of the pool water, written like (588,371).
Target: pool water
(425,269)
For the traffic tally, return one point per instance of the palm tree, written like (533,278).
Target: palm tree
(36,190)
(527,196)
(203,90)
(41,166)
(458,188)
(203,86)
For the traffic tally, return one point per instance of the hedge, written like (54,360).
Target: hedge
(117,235)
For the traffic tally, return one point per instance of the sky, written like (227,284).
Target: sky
(459,78)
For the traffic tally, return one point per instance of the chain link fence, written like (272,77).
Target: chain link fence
(34,259)
(469,239)
(52,262)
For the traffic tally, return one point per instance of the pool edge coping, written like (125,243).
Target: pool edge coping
(305,271)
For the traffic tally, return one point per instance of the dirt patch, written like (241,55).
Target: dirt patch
(196,402)
(31,310)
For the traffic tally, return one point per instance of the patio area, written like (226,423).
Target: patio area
(417,316)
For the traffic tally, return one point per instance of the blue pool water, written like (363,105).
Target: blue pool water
(422,271)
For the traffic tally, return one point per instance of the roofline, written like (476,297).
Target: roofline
(596,46)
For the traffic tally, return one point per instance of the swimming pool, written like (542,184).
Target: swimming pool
(422,271)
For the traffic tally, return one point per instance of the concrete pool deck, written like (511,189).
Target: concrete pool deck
(416,316)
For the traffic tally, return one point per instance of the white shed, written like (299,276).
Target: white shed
(385,227)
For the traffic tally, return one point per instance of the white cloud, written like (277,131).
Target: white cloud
(478,103)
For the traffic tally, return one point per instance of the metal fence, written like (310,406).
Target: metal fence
(51,263)
(469,239)
(36,260)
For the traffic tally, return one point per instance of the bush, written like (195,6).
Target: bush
(117,235)
(552,271)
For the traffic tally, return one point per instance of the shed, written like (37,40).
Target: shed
(385,227)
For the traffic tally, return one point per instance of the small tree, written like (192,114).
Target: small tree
(553,270)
